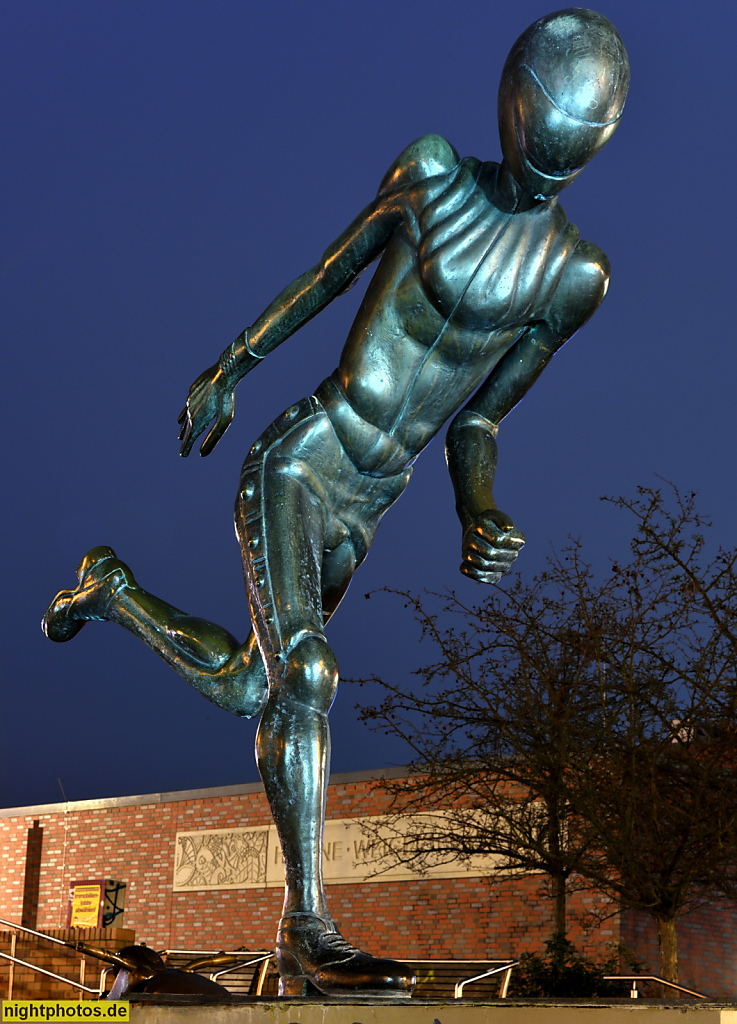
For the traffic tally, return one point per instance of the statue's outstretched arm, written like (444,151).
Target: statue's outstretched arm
(211,397)
(490,540)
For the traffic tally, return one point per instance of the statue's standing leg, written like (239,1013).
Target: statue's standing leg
(298,561)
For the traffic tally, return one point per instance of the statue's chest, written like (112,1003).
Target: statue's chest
(488,270)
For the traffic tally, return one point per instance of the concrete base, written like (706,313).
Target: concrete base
(420,1011)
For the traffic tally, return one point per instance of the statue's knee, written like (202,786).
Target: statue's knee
(310,674)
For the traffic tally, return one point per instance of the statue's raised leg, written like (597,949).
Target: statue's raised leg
(229,674)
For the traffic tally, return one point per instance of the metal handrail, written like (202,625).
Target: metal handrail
(103,979)
(262,957)
(243,963)
(634,978)
(50,974)
(257,956)
(506,967)
(41,970)
(32,931)
(263,960)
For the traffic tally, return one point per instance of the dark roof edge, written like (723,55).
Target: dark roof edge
(339,779)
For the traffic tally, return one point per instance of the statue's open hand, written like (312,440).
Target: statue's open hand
(210,399)
(491,543)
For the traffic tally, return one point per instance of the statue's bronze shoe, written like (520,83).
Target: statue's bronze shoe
(311,955)
(101,575)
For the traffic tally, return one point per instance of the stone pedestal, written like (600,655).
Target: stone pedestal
(416,1011)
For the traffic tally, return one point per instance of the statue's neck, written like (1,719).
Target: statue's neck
(510,197)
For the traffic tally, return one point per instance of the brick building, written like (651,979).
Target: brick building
(203,871)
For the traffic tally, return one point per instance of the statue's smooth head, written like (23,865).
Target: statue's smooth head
(561,97)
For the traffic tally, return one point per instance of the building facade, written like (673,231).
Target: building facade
(202,871)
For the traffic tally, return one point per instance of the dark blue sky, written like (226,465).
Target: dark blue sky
(167,168)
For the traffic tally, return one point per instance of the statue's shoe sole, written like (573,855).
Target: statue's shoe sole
(302,987)
(359,976)
(97,565)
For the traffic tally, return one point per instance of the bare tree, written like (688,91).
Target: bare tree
(658,802)
(493,731)
(585,727)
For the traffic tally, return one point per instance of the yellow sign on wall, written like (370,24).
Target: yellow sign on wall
(85,905)
(96,903)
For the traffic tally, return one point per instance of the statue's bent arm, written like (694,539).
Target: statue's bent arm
(211,397)
(490,541)
(342,262)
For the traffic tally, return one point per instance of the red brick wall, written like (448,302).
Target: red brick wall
(464,917)
(13,833)
(460,918)
(707,948)
(28,984)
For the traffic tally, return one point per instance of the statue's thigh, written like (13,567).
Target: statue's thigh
(281,526)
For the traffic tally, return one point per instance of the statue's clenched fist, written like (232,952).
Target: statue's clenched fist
(491,543)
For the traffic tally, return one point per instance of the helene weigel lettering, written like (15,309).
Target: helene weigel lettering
(354,850)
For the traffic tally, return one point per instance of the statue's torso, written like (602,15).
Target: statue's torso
(456,286)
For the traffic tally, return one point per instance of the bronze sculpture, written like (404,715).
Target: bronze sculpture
(141,969)
(481,279)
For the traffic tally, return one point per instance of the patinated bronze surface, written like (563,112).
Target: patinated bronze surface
(481,279)
(140,969)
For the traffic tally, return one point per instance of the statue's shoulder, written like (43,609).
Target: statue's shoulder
(587,264)
(426,157)
(588,271)
(582,288)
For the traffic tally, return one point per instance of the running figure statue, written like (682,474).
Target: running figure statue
(481,279)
